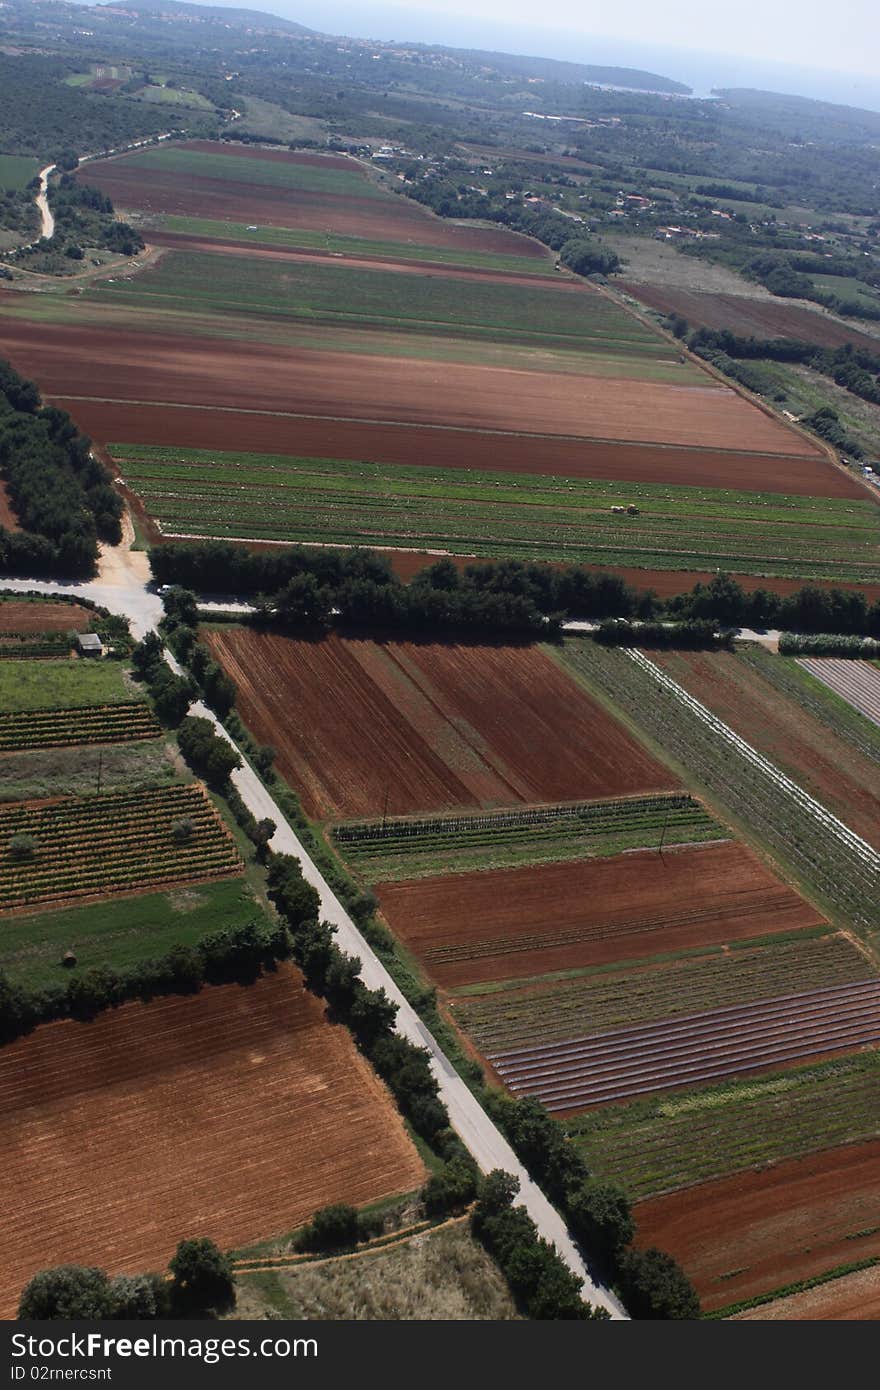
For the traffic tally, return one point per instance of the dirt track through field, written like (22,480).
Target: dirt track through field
(233,1114)
(514,923)
(746,1235)
(401,726)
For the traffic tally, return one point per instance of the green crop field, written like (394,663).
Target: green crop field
(515,1014)
(836,873)
(381,852)
(520,516)
(17,170)
(116,723)
(263,173)
(121,934)
(659,1144)
(44,685)
(302,239)
(111,843)
(35,773)
(174,96)
(542,315)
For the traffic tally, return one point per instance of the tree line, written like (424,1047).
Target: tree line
(63,497)
(305,587)
(199,1284)
(854,368)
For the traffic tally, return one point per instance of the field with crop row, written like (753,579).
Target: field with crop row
(17,647)
(200,492)
(555,314)
(233,1114)
(813,848)
(630,1062)
(806,689)
(397,849)
(25,616)
(857,682)
(122,723)
(113,843)
(523,1013)
(662,1143)
(794,739)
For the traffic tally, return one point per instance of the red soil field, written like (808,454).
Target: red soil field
(17,615)
(363,726)
(805,747)
(145,423)
(758,318)
(133,185)
(8,519)
(851,1298)
(747,1235)
(233,1114)
(513,923)
(73,361)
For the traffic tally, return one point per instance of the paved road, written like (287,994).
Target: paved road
(121,589)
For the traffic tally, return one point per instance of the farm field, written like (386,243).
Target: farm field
(857,682)
(30,617)
(615,1066)
(33,774)
(746,1235)
(116,723)
(234,1114)
(516,923)
(67,684)
(842,777)
(121,934)
(840,872)
(401,726)
(388,850)
(174,369)
(746,317)
(333,501)
(16,171)
(849,1298)
(670,1142)
(120,842)
(525,1013)
(311,193)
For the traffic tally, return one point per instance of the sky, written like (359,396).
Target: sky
(842,36)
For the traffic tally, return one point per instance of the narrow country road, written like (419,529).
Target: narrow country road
(47,221)
(121,587)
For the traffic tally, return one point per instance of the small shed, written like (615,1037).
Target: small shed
(89,644)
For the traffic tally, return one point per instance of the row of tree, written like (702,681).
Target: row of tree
(854,368)
(63,497)
(199,1284)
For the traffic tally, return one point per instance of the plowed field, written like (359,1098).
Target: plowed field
(514,923)
(434,445)
(361,727)
(233,1115)
(24,617)
(852,1298)
(750,1234)
(831,769)
(71,361)
(758,318)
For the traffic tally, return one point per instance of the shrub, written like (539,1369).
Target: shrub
(202,1279)
(654,1286)
(66,1292)
(23,848)
(332,1228)
(183,830)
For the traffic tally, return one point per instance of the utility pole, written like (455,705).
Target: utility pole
(385,808)
(665,823)
(100,766)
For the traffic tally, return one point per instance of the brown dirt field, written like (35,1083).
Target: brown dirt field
(746,1235)
(805,747)
(83,361)
(851,1298)
(8,519)
(135,187)
(510,923)
(17,615)
(429,727)
(759,318)
(254,250)
(233,1115)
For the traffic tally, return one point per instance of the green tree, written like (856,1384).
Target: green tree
(67,1292)
(202,1279)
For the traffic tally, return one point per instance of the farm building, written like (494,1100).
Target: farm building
(89,644)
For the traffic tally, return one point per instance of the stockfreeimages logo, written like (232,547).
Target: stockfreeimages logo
(97,1346)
